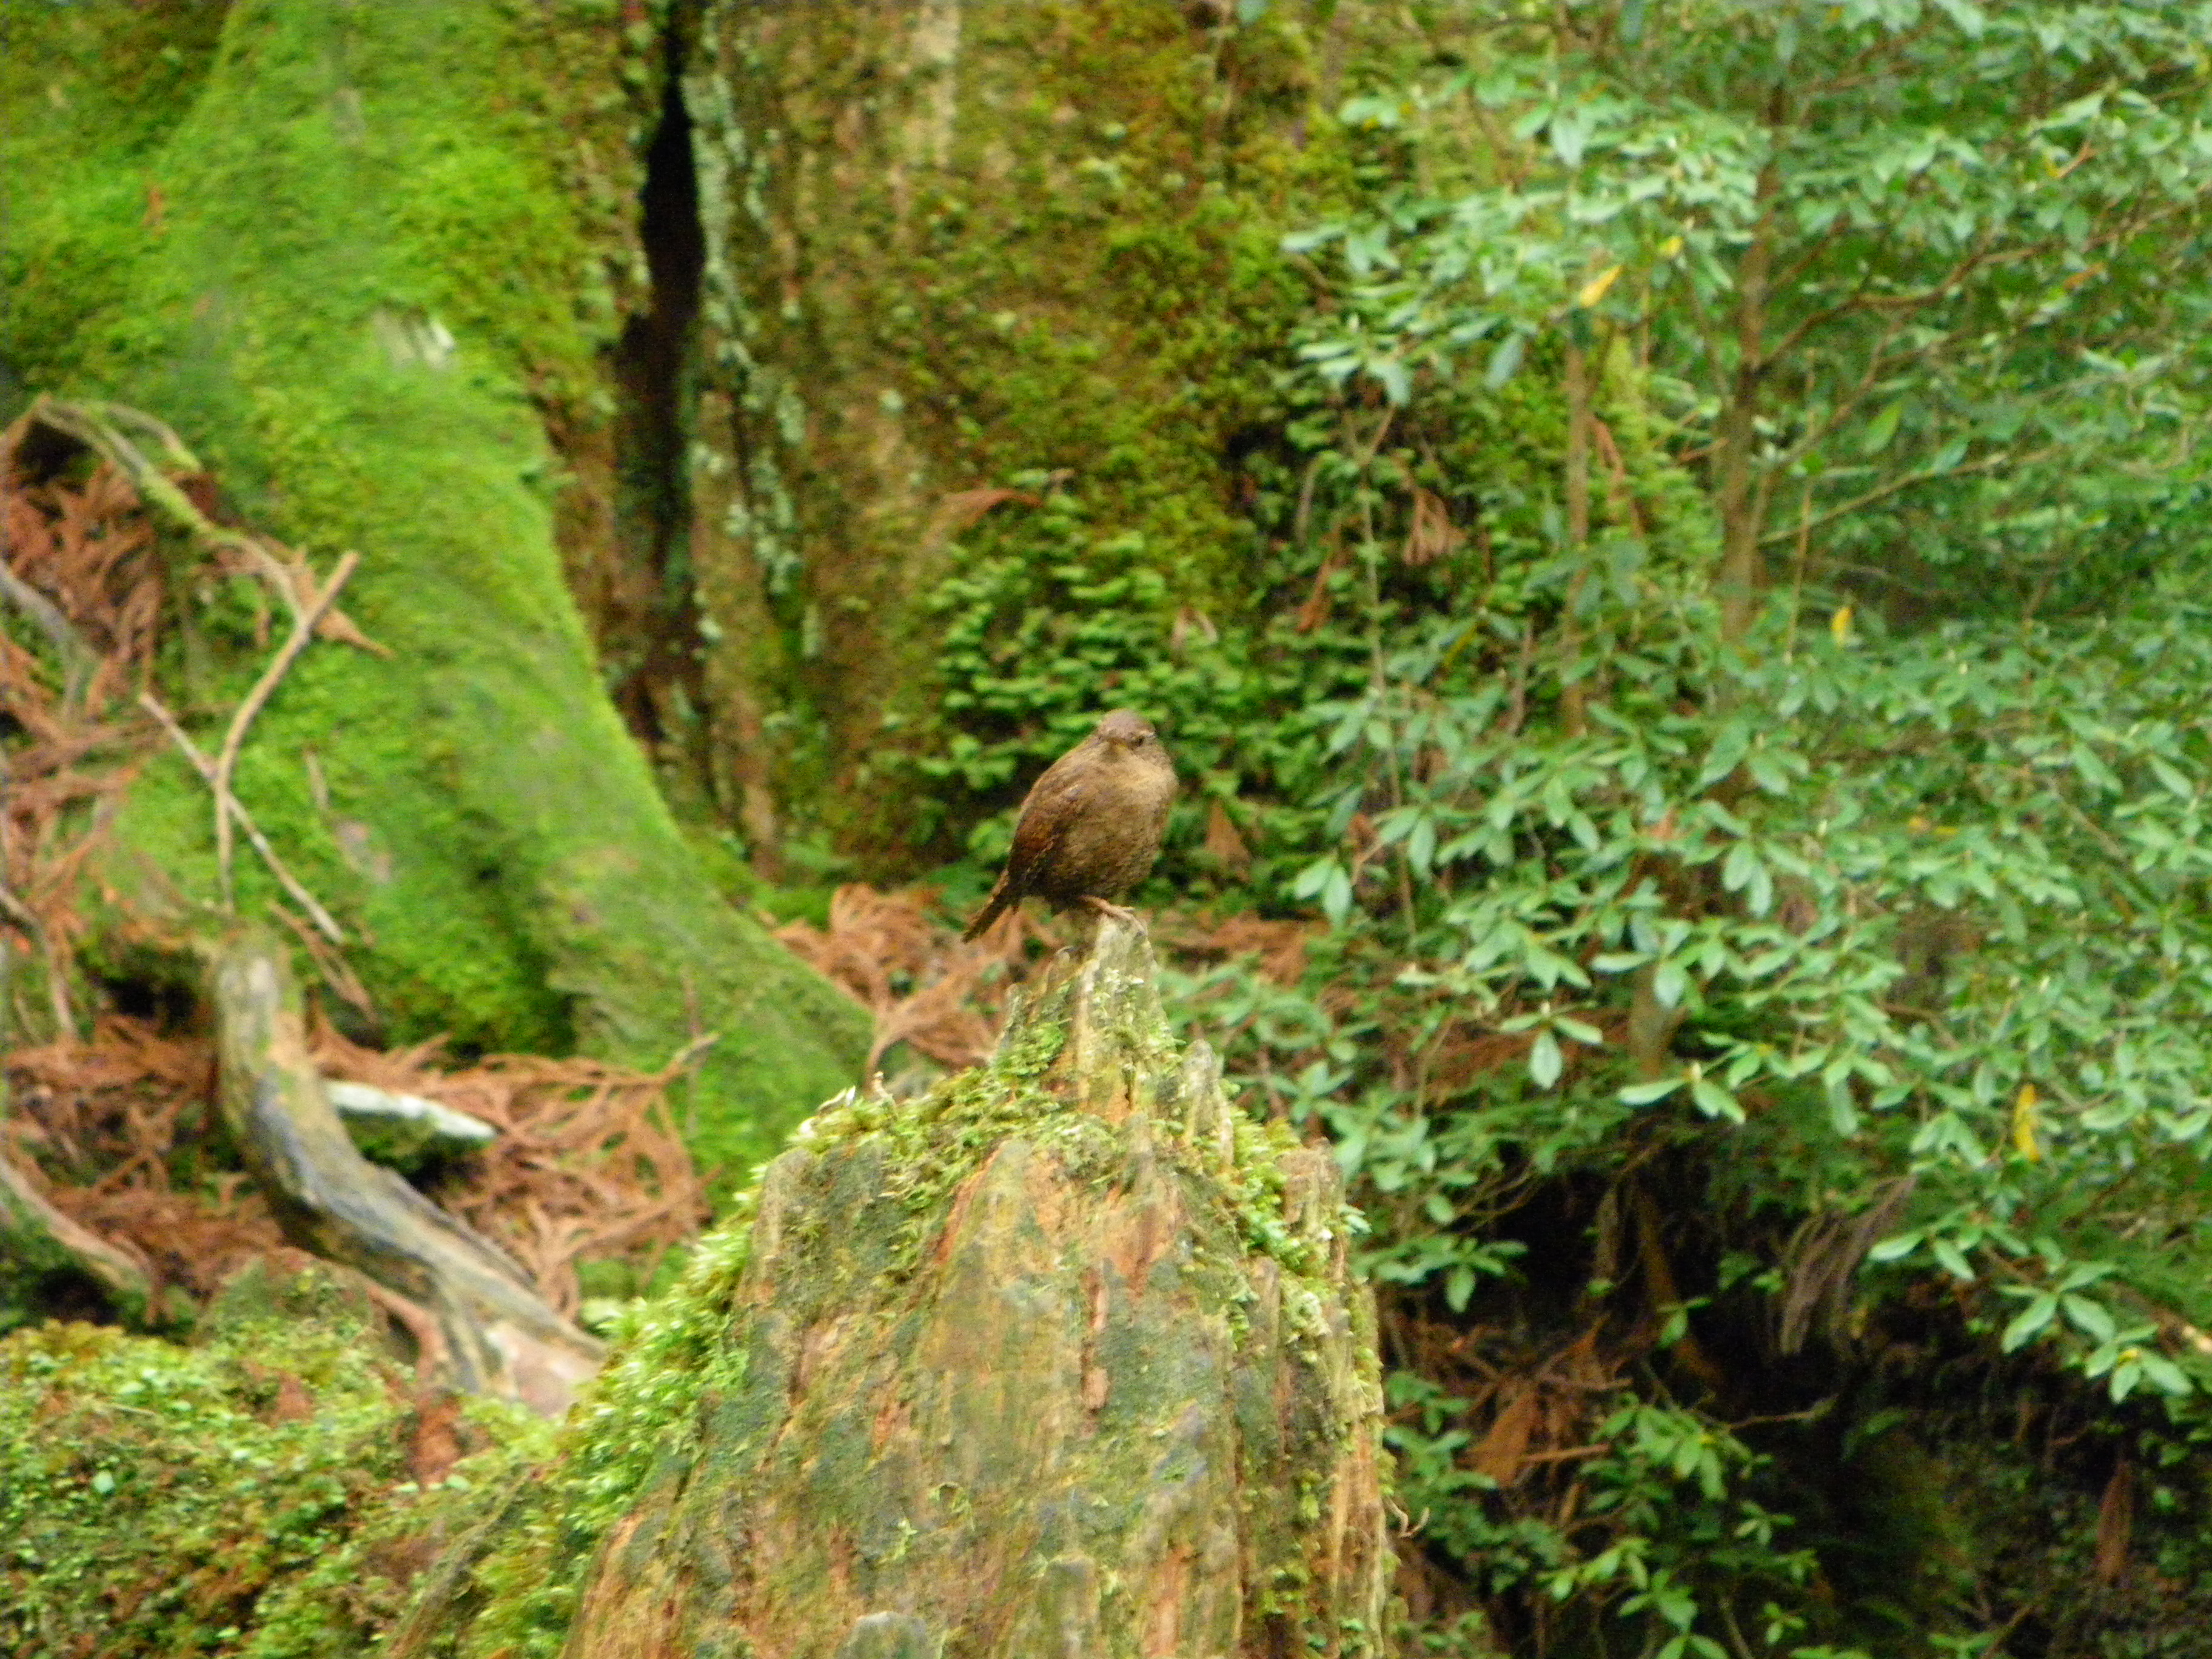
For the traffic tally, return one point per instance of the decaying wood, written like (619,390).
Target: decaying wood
(500,1337)
(1075,1368)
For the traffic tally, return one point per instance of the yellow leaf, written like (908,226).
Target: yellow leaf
(1839,625)
(2023,1124)
(1593,290)
(1670,247)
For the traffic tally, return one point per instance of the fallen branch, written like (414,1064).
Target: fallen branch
(228,802)
(57,981)
(78,658)
(304,618)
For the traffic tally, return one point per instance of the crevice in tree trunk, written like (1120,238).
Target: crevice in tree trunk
(657,682)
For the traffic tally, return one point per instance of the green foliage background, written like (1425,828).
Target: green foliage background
(1715,648)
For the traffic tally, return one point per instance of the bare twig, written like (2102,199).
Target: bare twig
(1895,486)
(690,1052)
(300,897)
(337,972)
(304,618)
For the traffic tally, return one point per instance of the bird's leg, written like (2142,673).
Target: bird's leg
(1105,907)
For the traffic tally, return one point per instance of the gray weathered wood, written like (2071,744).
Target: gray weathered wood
(501,1337)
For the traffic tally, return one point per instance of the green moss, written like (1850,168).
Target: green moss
(248,1497)
(94,93)
(390,254)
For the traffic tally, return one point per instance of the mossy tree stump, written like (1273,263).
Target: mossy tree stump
(1064,1360)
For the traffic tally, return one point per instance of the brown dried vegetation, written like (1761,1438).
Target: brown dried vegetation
(943,999)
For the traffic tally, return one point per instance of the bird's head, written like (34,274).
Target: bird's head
(1127,732)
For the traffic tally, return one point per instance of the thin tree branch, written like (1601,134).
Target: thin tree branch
(304,619)
(1896,486)
(306,900)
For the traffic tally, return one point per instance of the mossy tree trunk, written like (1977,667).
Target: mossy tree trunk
(1063,1358)
(364,258)
(953,248)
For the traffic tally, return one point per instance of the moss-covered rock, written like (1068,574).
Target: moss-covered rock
(361,256)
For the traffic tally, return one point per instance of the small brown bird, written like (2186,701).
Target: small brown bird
(1090,827)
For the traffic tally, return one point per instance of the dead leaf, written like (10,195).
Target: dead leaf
(2116,1518)
(435,1445)
(1222,842)
(1433,535)
(1503,1452)
(963,509)
(293,1404)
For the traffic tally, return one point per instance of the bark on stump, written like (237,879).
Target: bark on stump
(1063,1359)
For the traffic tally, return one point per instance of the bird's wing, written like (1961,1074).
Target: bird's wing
(1053,803)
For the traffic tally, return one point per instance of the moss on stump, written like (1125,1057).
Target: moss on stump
(1064,1358)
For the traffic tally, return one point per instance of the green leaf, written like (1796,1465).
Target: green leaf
(2090,1317)
(1459,1288)
(1880,430)
(1545,1060)
(1714,1101)
(2029,1323)
(1505,360)
(1897,1246)
(1951,1258)
(2165,1376)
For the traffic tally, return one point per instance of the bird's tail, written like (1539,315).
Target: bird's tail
(992,906)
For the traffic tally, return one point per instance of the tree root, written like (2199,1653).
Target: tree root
(33,1232)
(499,1337)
